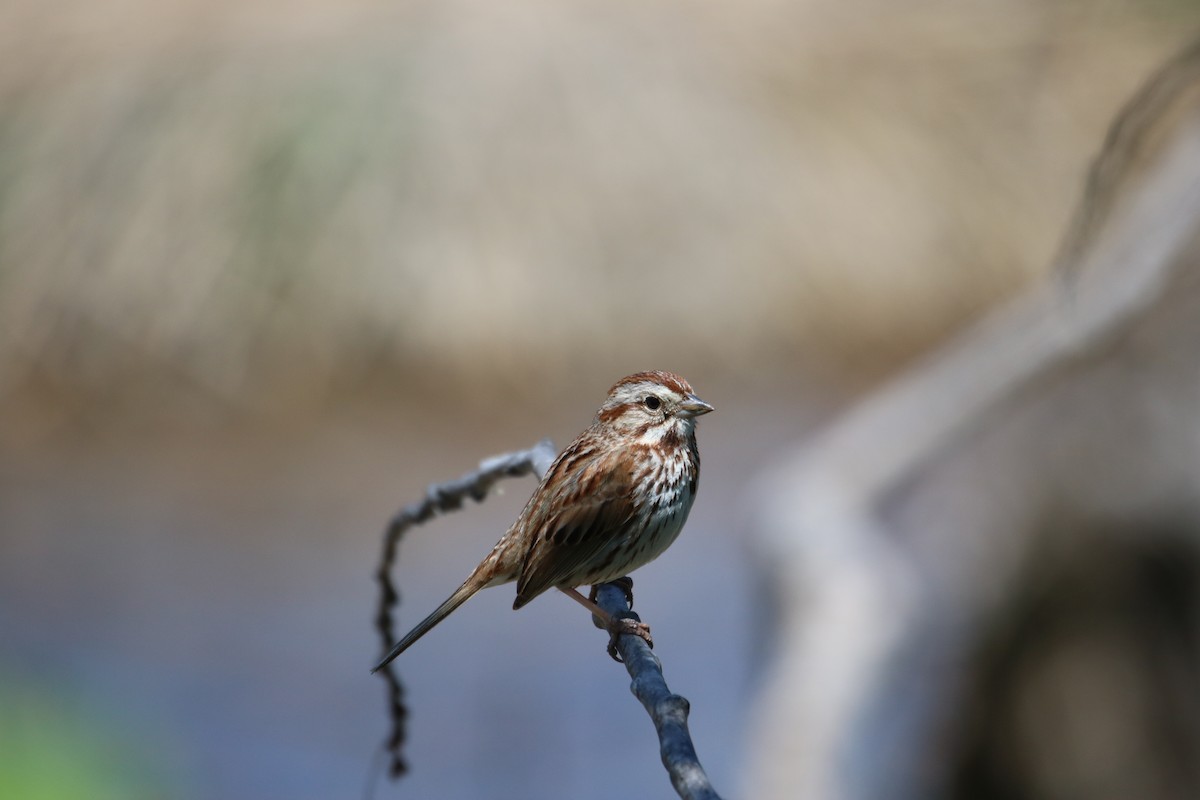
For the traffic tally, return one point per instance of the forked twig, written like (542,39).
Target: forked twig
(667,711)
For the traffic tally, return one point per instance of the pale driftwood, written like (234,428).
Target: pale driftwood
(900,533)
(667,711)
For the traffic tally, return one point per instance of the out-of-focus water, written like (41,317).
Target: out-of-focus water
(201,600)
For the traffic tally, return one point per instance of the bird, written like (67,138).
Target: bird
(613,500)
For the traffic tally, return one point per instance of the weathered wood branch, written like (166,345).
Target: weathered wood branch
(667,711)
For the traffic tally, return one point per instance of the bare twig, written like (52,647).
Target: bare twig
(667,711)
(441,497)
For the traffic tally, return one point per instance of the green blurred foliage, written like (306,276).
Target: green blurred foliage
(51,749)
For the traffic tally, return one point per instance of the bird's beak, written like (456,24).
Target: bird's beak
(693,406)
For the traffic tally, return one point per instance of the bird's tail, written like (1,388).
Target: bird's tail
(460,596)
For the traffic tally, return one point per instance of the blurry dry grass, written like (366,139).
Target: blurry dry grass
(235,193)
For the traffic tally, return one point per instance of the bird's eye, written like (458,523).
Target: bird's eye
(651,402)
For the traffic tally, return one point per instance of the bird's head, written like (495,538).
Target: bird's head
(651,404)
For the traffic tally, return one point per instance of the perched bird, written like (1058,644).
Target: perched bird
(613,500)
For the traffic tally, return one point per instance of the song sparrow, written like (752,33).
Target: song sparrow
(613,500)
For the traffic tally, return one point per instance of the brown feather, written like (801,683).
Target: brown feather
(575,526)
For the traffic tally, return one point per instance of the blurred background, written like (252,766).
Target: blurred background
(268,269)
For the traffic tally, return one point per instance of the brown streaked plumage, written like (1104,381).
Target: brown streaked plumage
(613,500)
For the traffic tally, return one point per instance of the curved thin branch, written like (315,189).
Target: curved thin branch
(667,711)
(439,497)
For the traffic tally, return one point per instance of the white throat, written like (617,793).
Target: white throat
(655,434)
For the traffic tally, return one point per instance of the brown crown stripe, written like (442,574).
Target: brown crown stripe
(667,379)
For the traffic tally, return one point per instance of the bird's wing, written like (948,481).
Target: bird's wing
(571,532)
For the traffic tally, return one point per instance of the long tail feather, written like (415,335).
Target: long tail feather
(460,596)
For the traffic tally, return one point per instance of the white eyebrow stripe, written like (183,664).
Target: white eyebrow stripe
(638,389)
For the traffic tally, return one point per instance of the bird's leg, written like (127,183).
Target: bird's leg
(602,618)
(625,584)
(616,626)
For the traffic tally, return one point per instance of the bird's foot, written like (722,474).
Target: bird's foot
(621,626)
(625,584)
